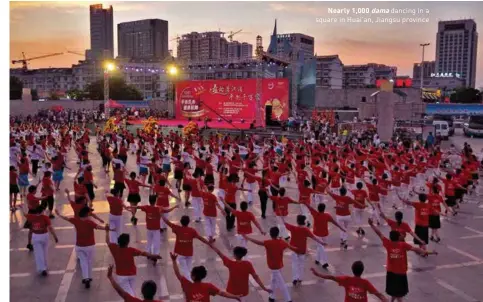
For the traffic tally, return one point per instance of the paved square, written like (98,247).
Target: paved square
(455,274)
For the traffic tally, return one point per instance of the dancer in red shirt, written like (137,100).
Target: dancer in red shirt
(124,259)
(196,290)
(281,210)
(210,203)
(397,262)
(300,233)
(148,289)
(239,272)
(133,196)
(244,219)
(184,242)
(85,242)
(399,225)
(275,248)
(356,288)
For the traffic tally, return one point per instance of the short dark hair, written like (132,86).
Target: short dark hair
(123,240)
(198,273)
(301,219)
(394,235)
(148,289)
(84,212)
(357,268)
(185,220)
(281,192)
(274,232)
(240,252)
(243,206)
(321,207)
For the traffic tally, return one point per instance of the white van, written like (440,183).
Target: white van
(441,129)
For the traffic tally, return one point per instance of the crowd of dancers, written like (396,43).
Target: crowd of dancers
(205,175)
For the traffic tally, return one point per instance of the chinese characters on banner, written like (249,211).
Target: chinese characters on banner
(231,99)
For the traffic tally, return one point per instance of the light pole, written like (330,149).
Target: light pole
(172,74)
(108,67)
(422,67)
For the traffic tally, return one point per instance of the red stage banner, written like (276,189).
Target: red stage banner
(275,93)
(231,99)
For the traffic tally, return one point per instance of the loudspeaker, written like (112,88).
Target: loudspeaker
(268,115)
(363,99)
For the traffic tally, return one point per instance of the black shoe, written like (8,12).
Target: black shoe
(132,218)
(299,282)
(271,300)
(308,225)
(294,282)
(358,231)
(161,230)
(287,238)
(438,240)
(134,221)
(432,238)
(44,273)
(264,217)
(30,247)
(325,266)
(87,283)
(51,216)
(187,204)
(363,233)
(155,261)
(317,262)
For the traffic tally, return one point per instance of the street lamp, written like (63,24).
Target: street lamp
(422,66)
(172,74)
(108,67)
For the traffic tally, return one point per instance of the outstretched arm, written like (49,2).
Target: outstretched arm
(229,296)
(257,242)
(175,266)
(61,216)
(125,295)
(169,223)
(259,281)
(376,230)
(323,276)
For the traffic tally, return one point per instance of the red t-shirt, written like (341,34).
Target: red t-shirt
(84,229)
(281,205)
(40,223)
(13,177)
(47,187)
(238,276)
(422,212)
(397,261)
(275,248)
(209,204)
(195,185)
(321,222)
(115,205)
(163,196)
(356,288)
(449,187)
(184,240)
(360,196)
(342,204)
(80,189)
(198,291)
(124,259)
(153,216)
(304,195)
(244,221)
(133,186)
(230,189)
(435,200)
(402,228)
(299,237)
(32,201)
(373,192)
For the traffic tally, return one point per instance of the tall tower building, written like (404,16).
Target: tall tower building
(143,39)
(102,32)
(202,46)
(288,45)
(456,48)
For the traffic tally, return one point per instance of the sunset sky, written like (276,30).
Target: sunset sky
(39,28)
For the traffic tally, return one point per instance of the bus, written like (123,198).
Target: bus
(474,127)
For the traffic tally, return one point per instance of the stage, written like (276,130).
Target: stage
(213,124)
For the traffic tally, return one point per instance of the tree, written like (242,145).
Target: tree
(16,87)
(53,95)
(466,95)
(118,90)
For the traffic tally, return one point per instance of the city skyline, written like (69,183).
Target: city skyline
(35,31)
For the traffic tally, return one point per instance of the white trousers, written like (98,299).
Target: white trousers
(162,224)
(127,283)
(241,241)
(40,243)
(115,222)
(321,253)
(304,210)
(210,226)
(221,196)
(153,241)
(375,214)
(197,206)
(298,264)
(251,188)
(185,263)
(283,181)
(85,253)
(343,221)
(278,282)
(281,227)
(357,213)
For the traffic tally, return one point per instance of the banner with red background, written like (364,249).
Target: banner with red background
(231,99)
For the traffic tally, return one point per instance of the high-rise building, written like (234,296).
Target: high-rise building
(429,67)
(290,45)
(237,50)
(102,32)
(456,47)
(329,72)
(202,46)
(359,76)
(246,50)
(143,39)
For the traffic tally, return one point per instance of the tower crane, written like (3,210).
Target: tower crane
(24,60)
(230,36)
(75,53)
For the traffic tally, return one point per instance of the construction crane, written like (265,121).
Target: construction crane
(177,38)
(24,60)
(230,36)
(75,53)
